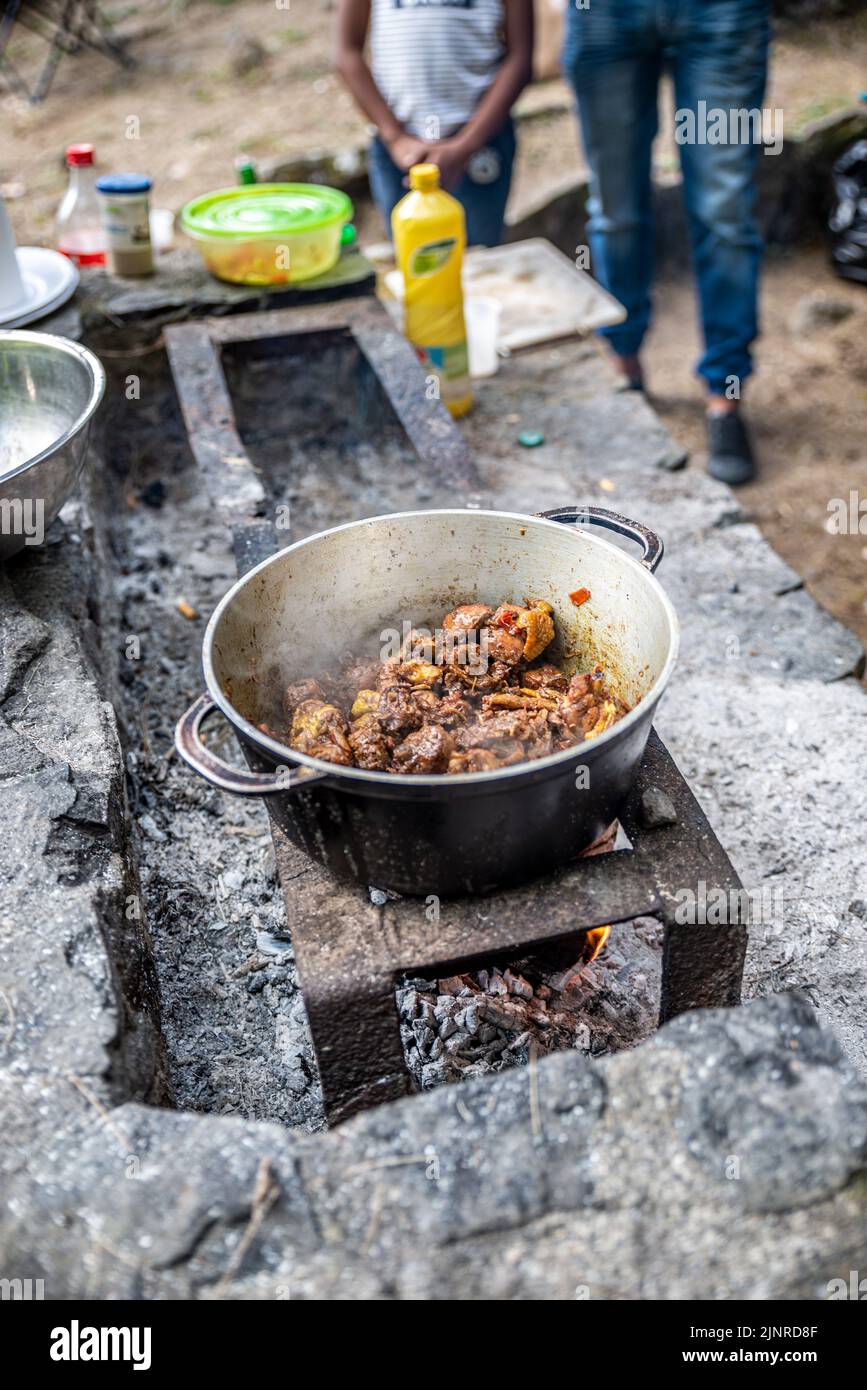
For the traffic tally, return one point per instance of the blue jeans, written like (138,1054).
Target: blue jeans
(716,51)
(484,203)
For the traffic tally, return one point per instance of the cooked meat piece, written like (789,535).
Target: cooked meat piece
(389,673)
(532,730)
(537,624)
(546,675)
(599,718)
(534,625)
(409,673)
(451,710)
(502,645)
(297,692)
(420,645)
(365,702)
(320,730)
(588,708)
(399,711)
(467,617)
(427,750)
(429,703)
(471,671)
(369,744)
(357,673)
(474,760)
(521,698)
(420,673)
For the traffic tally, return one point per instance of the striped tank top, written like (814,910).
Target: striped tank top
(433,60)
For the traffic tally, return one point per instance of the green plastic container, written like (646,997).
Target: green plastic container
(268,233)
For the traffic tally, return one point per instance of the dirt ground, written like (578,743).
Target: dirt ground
(216,79)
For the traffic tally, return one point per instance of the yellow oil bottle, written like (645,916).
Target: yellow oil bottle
(429,233)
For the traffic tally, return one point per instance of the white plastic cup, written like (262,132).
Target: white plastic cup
(11,284)
(482,318)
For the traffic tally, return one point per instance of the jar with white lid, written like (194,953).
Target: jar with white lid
(124,201)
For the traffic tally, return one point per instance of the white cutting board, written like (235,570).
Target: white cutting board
(542,295)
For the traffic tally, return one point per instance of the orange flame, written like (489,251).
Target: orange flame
(594,941)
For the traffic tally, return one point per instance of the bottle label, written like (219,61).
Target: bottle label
(450,363)
(431,257)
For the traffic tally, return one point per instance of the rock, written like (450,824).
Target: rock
(816,312)
(656,809)
(267,944)
(246,53)
(719,1160)
(672,460)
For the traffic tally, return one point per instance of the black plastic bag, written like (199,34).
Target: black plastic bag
(848,218)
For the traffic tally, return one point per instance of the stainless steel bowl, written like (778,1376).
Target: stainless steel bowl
(49,390)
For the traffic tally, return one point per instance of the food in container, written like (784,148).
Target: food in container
(268,233)
(341,590)
(124,209)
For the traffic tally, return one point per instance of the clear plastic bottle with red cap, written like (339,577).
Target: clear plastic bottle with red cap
(79,229)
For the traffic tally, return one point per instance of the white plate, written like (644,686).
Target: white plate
(49,280)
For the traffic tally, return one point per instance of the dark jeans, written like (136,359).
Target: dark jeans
(484,203)
(716,50)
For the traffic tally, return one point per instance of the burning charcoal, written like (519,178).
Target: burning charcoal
(453,985)
(432,1074)
(436,1050)
(469,1019)
(422,1034)
(409,1004)
(518,985)
(446,1007)
(448,1028)
(497,985)
(503,1015)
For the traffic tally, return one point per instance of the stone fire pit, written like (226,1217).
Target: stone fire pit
(158,1091)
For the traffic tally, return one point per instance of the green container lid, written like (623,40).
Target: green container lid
(265,210)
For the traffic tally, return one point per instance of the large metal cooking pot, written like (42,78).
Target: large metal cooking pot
(339,591)
(50,388)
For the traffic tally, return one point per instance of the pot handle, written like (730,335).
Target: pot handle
(651,544)
(241,781)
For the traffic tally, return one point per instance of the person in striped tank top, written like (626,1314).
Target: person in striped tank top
(439,86)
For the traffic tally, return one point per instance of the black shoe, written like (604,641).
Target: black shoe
(729,455)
